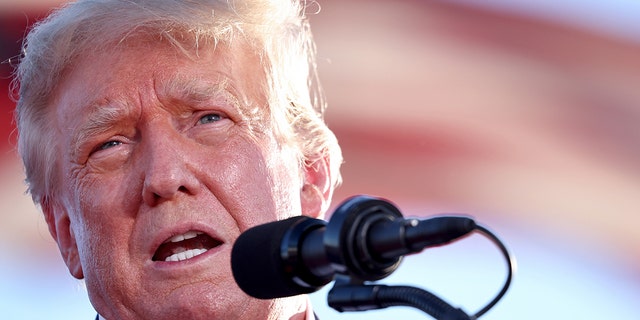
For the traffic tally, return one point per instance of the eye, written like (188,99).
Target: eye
(210,118)
(109,144)
(104,146)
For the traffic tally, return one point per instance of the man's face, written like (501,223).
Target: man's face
(164,162)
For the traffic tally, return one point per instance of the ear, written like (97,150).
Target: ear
(316,192)
(57,219)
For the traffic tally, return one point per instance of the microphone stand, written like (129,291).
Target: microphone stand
(353,297)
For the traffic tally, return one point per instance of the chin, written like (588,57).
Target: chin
(206,302)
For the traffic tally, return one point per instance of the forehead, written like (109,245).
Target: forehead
(131,70)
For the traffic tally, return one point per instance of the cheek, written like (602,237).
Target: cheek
(262,180)
(287,185)
(285,180)
(101,194)
(104,229)
(107,197)
(105,207)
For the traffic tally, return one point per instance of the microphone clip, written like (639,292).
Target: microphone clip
(346,239)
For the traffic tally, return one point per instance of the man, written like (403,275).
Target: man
(154,132)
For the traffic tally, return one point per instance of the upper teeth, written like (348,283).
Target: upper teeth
(185,236)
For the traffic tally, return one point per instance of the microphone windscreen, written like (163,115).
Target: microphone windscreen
(257,264)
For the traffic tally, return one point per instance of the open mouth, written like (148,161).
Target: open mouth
(185,246)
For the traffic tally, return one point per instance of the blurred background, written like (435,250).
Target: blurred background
(523,114)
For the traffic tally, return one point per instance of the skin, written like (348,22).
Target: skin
(163,162)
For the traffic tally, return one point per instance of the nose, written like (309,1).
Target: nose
(168,172)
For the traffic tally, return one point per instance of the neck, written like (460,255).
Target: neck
(305,311)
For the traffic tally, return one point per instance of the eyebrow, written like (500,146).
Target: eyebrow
(193,91)
(102,118)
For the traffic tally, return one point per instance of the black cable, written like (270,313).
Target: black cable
(511,265)
(437,307)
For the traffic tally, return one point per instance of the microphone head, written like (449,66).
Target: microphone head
(259,265)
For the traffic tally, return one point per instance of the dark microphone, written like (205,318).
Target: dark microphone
(365,239)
